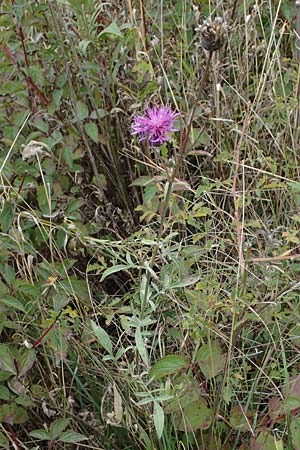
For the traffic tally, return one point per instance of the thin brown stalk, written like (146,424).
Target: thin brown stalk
(143,25)
(239,228)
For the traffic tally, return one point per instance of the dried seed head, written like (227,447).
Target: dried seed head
(213,33)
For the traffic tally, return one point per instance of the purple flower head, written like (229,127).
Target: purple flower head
(155,126)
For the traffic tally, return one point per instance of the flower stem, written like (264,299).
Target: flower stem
(171,179)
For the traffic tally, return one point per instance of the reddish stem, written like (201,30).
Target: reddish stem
(22,182)
(14,437)
(32,87)
(39,340)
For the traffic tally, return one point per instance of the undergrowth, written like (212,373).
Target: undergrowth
(149,296)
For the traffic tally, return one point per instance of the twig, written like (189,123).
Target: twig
(239,229)
(14,437)
(275,258)
(297,4)
(48,329)
(297,54)
(143,25)
(234,9)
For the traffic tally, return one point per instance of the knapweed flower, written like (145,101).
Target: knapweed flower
(155,126)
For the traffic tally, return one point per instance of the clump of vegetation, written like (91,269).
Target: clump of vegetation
(149,225)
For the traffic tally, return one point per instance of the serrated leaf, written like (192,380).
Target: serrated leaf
(102,337)
(168,365)
(71,437)
(7,216)
(12,302)
(159,419)
(91,130)
(41,434)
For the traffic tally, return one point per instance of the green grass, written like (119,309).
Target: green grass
(149,298)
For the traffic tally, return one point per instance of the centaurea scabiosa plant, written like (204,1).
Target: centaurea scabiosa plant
(155,127)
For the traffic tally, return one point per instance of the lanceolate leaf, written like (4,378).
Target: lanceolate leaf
(159,419)
(71,437)
(7,216)
(27,360)
(168,365)
(102,337)
(111,29)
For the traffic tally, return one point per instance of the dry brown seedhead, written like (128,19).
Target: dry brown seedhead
(213,33)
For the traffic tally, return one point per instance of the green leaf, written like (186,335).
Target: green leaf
(159,419)
(211,359)
(6,360)
(41,125)
(102,337)
(91,130)
(7,216)
(295,430)
(70,437)
(41,434)
(195,416)
(168,365)
(111,29)
(4,393)
(4,442)
(239,420)
(56,99)
(142,181)
(3,289)
(140,345)
(184,283)
(114,269)
(83,45)
(57,427)
(13,414)
(265,441)
(12,302)
(26,361)
(77,288)
(82,110)
(25,401)
(5,375)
